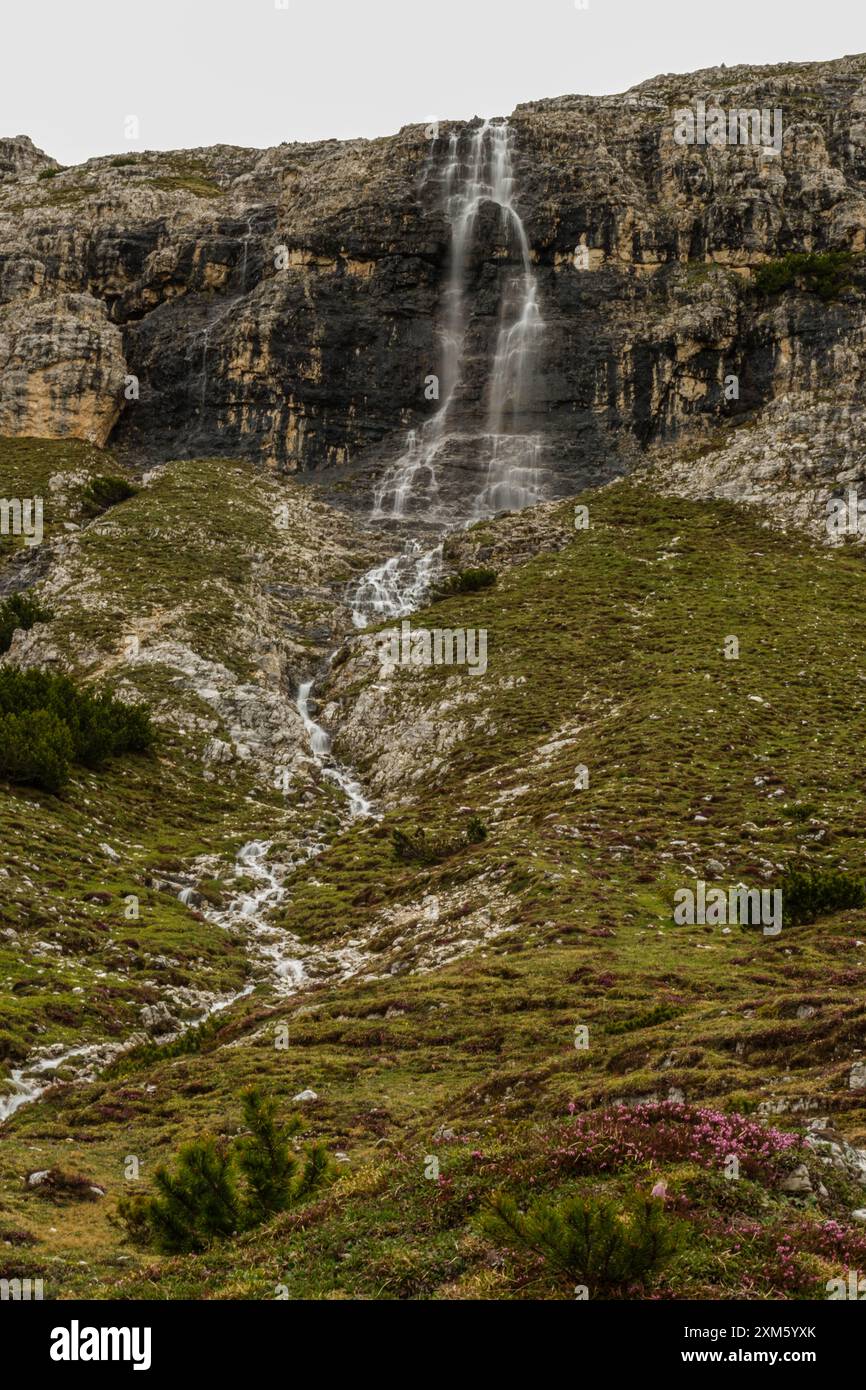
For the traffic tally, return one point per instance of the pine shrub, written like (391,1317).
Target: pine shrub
(464,582)
(811,893)
(197,1203)
(35,749)
(589,1240)
(47,723)
(421,848)
(825,273)
(105,491)
(217,1190)
(276,1178)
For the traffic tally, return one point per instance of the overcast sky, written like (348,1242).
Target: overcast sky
(245,72)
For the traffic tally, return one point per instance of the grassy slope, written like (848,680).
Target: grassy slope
(188,560)
(609,653)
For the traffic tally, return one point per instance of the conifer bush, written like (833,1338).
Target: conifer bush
(36,749)
(274,1177)
(464,582)
(811,893)
(217,1190)
(105,491)
(196,1203)
(589,1240)
(421,848)
(47,723)
(825,273)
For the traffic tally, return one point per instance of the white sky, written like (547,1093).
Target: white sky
(199,72)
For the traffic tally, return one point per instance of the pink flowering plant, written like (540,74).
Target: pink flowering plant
(605,1141)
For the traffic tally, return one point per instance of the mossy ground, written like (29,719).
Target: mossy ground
(607,653)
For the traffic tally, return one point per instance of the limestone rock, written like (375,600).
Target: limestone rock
(857,1076)
(62,368)
(19,155)
(798,1181)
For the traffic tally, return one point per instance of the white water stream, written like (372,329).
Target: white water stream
(478,169)
(320,746)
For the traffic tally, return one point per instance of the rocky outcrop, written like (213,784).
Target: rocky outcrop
(286,305)
(60,361)
(19,155)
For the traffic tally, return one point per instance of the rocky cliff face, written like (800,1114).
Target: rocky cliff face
(286,304)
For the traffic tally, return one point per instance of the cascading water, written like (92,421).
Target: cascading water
(506,461)
(320,747)
(477,171)
(221,317)
(511,477)
(396,587)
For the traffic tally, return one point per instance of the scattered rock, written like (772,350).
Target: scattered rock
(157,1018)
(857,1077)
(797,1181)
(445,1135)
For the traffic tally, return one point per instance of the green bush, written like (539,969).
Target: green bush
(195,1204)
(419,848)
(465,582)
(47,173)
(35,748)
(47,723)
(20,611)
(199,1038)
(104,492)
(273,1177)
(825,274)
(590,1241)
(811,893)
(476,831)
(218,1190)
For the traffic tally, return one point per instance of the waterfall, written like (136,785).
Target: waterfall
(505,463)
(398,586)
(320,747)
(478,170)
